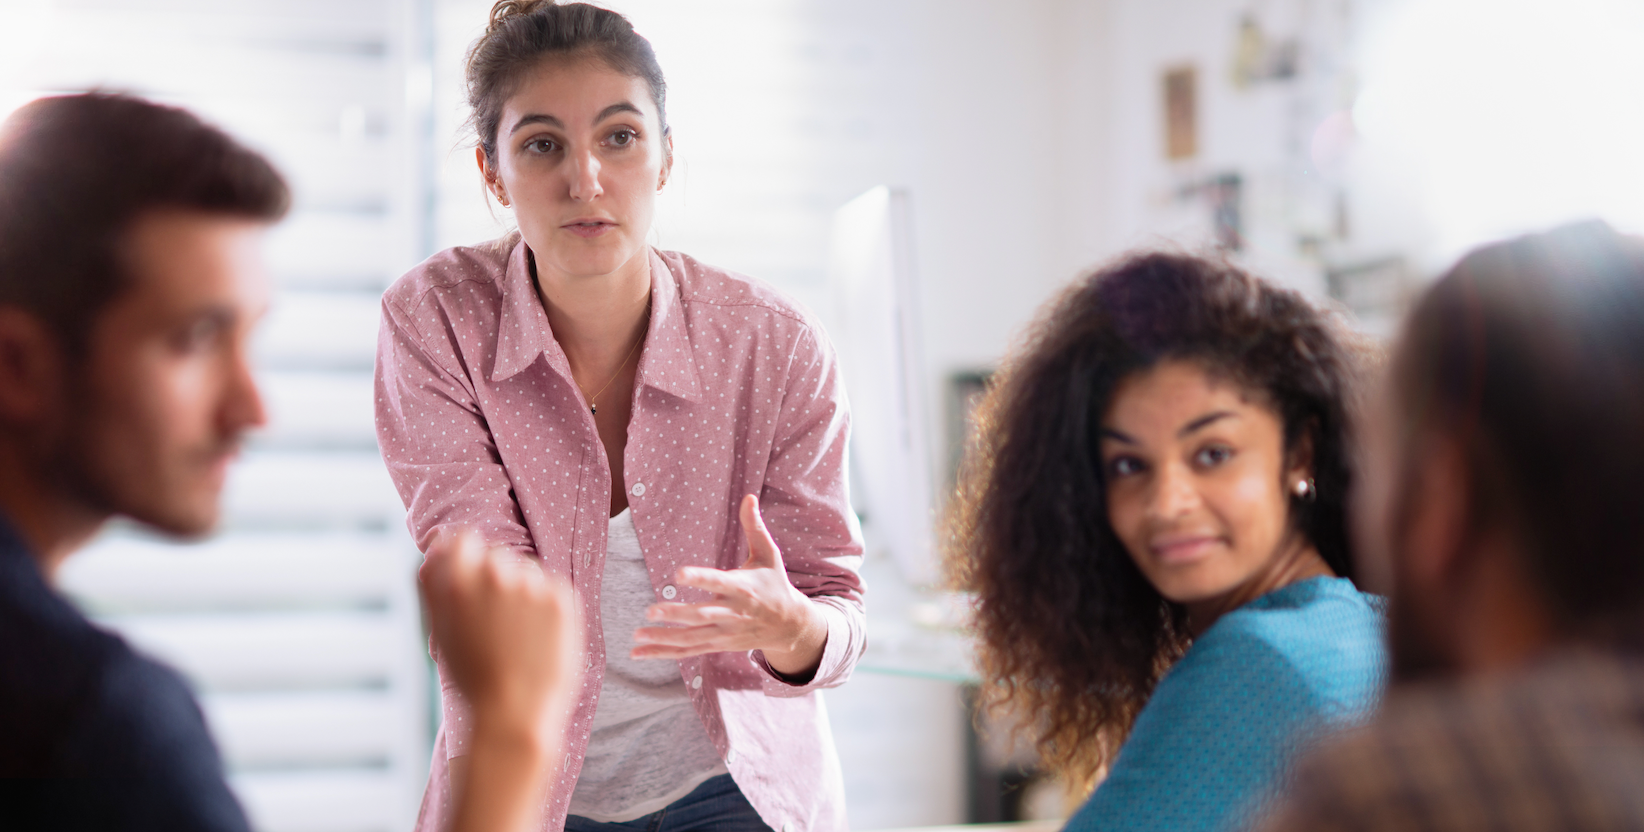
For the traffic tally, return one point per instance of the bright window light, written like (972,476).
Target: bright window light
(1510,115)
(23,25)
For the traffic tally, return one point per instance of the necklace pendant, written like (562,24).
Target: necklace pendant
(593,409)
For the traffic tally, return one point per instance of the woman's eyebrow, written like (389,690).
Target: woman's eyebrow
(537,118)
(1110,433)
(1204,421)
(619,107)
(553,121)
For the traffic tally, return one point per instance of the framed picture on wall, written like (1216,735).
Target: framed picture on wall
(1181,112)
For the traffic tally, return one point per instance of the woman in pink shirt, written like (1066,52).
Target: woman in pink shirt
(667,436)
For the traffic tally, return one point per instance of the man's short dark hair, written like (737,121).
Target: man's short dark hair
(1530,355)
(77,171)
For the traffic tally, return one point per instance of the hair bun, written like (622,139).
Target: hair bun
(506,10)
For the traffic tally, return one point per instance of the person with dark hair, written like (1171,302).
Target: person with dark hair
(668,436)
(128,288)
(1503,481)
(1152,516)
(130,282)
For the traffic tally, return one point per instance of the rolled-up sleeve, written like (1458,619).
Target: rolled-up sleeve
(806,505)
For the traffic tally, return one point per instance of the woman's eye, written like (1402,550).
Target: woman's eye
(1213,456)
(1125,466)
(541,145)
(623,138)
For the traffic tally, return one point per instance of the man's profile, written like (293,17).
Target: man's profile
(1505,468)
(130,281)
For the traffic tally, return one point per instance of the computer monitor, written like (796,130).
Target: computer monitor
(876,330)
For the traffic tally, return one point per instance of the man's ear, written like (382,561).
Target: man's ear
(32,367)
(1437,519)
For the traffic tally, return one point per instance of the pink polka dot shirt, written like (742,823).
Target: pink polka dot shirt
(738,392)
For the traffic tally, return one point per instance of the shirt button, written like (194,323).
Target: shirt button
(669,592)
(730,756)
(787,827)
(639,489)
(696,683)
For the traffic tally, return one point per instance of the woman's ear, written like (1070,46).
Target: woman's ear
(667,160)
(1299,461)
(492,183)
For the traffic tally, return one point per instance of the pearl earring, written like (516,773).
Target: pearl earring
(1305,489)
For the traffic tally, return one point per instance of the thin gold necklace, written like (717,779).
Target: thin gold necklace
(593,408)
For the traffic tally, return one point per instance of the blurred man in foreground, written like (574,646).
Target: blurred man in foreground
(130,282)
(1505,488)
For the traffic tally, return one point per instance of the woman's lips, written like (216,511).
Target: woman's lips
(1184,549)
(588,228)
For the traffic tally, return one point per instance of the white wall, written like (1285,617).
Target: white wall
(988,117)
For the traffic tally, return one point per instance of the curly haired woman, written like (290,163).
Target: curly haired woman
(1153,518)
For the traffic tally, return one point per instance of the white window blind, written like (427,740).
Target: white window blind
(297,622)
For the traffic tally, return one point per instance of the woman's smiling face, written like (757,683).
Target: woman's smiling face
(1197,481)
(580,157)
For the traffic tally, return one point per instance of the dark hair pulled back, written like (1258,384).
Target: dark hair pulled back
(523,32)
(1071,633)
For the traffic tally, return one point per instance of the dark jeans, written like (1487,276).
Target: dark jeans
(715,806)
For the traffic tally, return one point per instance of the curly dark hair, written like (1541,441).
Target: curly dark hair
(1070,631)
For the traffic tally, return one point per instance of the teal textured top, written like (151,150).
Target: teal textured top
(1225,723)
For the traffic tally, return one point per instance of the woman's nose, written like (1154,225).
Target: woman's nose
(1173,493)
(585,177)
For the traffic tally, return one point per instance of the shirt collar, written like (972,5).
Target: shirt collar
(523,332)
(522,325)
(667,363)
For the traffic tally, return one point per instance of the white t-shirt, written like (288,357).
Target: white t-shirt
(648,747)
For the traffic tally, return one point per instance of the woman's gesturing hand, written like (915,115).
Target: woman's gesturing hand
(512,640)
(755,607)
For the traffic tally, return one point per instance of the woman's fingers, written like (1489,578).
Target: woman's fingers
(756,607)
(691,614)
(664,651)
(717,581)
(680,642)
(762,551)
(679,636)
